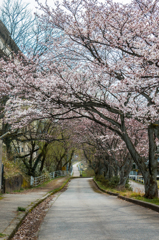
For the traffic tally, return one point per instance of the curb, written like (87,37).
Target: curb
(135,201)
(110,193)
(141,203)
(16,222)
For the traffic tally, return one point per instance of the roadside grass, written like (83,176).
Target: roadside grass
(32,187)
(129,194)
(106,188)
(88,173)
(21,209)
(1,196)
(153,201)
(20,190)
(60,188)
(2,235)
(44,183)
(11,169)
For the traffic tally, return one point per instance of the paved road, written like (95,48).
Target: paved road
(10,202)
(137,187)
(76,173)
(82,213)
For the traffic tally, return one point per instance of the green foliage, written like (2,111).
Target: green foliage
(2,235)
(21,209)
(153,201)
(59,152)
(128,193)
(11,169)
(99,178)
(113,182)
(103,180)
(20,190)
(128,186)
(88,173)
(110,183)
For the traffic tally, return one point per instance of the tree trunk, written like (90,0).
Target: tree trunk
(42,164)
(116,171)
(149,174)
(151,189)
(110,172)
(106,175)
(124,173)
(8,148)
(123,179)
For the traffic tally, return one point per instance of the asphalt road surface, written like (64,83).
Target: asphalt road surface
(83,213)
(76,173)
(137,187)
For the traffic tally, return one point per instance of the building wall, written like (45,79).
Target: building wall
(5,48)
(7,45)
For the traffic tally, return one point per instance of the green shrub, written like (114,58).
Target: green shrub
(105,182)
(102,179)
(88,173)
(128,186)
(113,182)
(21,209)
(99,178)
(2,235)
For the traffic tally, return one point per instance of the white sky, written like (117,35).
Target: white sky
(33,3)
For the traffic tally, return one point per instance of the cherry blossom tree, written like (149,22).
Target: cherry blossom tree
(105,151)
(102,66)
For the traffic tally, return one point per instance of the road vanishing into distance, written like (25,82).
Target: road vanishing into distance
(82,212)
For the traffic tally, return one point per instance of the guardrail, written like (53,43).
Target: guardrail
(138,178)
(35,181)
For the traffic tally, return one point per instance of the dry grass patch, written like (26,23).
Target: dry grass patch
(11,169)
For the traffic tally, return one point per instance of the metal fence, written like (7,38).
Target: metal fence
(35,181)
(138,178)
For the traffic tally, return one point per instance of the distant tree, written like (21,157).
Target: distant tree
(19,21)
(60,153)
(25,29)
(105,152)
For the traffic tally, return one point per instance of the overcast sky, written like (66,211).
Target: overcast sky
(33,3)
(50,1)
